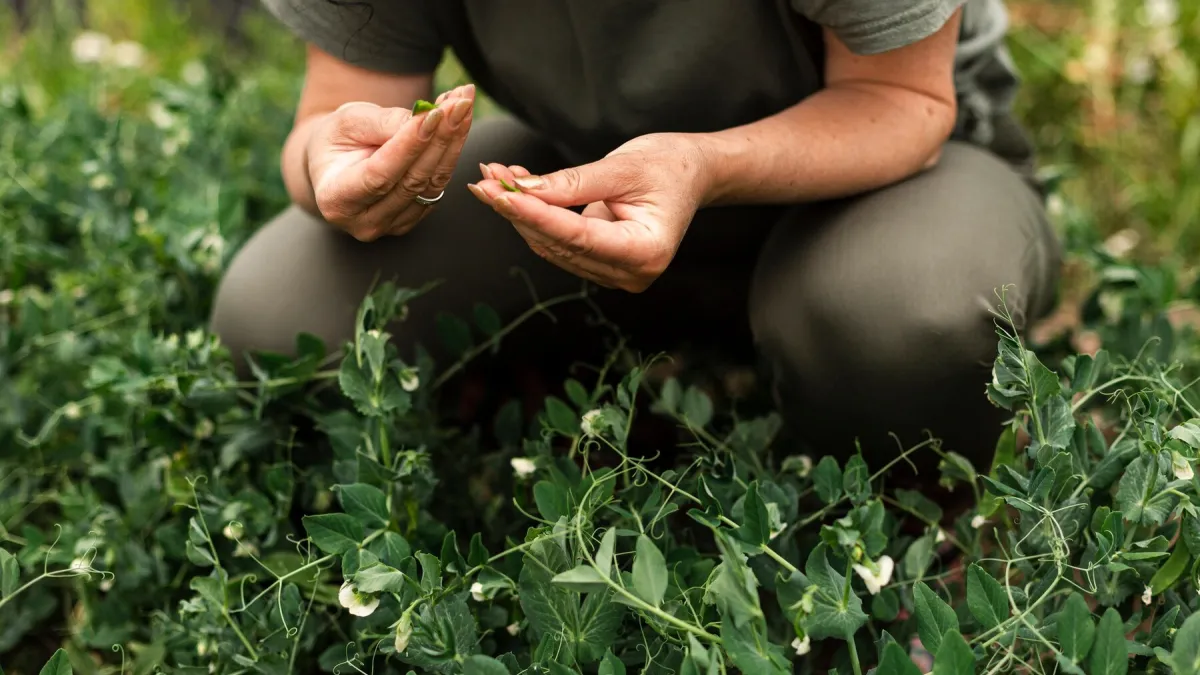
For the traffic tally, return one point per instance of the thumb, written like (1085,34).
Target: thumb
(575,186)
(369,124)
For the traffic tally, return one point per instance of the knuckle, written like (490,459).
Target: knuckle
(375,182)
(414,184)
(440,180)
(365,234)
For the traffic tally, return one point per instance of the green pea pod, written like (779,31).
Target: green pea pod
(508,187)
(422,106)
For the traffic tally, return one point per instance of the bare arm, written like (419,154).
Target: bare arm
(880,119)
(330,83)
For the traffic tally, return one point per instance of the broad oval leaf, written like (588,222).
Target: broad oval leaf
(649,571)
(333,533)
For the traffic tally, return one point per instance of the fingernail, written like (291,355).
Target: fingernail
(477,191)
(462,108)
(487,173)
(530,182)
(430,124)
(503,205)
(469,90)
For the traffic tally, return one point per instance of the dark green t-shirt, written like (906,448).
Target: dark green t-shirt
(593,74)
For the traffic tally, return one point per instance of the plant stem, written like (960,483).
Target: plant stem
(853,654)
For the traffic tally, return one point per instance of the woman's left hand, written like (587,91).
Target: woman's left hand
(639,201)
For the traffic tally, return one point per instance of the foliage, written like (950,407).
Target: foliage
(158,514)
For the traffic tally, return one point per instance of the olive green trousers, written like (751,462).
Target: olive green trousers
(873,313)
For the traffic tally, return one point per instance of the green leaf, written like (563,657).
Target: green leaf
(1169,573)
(751,651)
(827,479)
(670,397)
(896,662)
(10,574)
(611,665)
(934,617)
(1076,630)
(1109,654)
(333,533)
(1136,492)
(365,502)
(696,407)
(577,394)
(356,385)
(955,656)
(553,502)
(479,664)
(561,417)
(1185,654)
(885,605)
(555,612)
(454,333)
(477,553)
(583,579)
(830,616)
(649,571)
(59,664)
(856,479)
(211,589)
(604,555)
(391,548)
(379,578)
(756,526)
(487,319)
(986,597)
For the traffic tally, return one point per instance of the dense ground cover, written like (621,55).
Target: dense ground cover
(158,515)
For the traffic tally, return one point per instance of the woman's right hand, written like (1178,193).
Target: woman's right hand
(367,164)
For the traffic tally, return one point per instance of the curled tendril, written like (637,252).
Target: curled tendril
(120,650)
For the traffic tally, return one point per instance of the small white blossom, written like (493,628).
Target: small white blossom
(409,381)
(72,411)
(802,645)
(194,339)
(1161,13)
(512,629)
(403,632)
(7,296)
(233,530)
(588,423)
(141,215)
(1181,466)
(202,648)
(477,592)
(90,47)
(523,466)
(101,181)
(806,465)
(194,73)
(80,565)
(359,604)
(128,54)
(205,429)
(106,585)
(940,536)
(876,580)
(1146,596)
(978,522)
(159,115)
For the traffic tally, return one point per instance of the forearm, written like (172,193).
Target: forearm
(838,142)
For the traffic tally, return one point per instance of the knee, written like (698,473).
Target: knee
(837,325)
(282,283)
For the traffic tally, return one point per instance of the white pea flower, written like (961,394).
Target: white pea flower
(72,411)
(90,47)
(205,428)
(1181,466)
(409,380)
(404,632)
(805,467)
(194,339)
(588,423)
(359,604)
(159,115)
(233,530)
(477,592)
(128,54)
(978,522)
(940,536)
(194,73)
(802,645)
(1146,596)
(106,585)
(7,296)
(523,466)
(876,579)
(512,629)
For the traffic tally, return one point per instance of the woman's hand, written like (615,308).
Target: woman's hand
(367,164)
(640,200)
